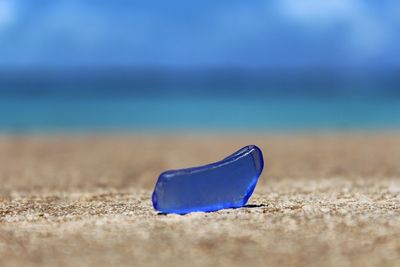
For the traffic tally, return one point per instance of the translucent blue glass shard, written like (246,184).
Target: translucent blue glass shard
(228,183)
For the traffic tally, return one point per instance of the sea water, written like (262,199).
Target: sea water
(240,114)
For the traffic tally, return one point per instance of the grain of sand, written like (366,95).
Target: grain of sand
(323,200)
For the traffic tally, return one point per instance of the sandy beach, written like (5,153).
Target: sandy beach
(84,200)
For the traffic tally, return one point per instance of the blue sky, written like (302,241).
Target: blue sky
(180,34)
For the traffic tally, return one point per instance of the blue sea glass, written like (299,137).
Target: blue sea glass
(228,183)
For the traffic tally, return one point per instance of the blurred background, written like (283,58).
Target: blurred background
(83,65)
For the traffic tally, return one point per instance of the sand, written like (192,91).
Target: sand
(323,200)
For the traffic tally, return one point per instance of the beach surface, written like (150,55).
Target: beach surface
(85,200)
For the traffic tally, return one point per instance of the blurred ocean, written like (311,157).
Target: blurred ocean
(77,66)
(247,103)
(120,114)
